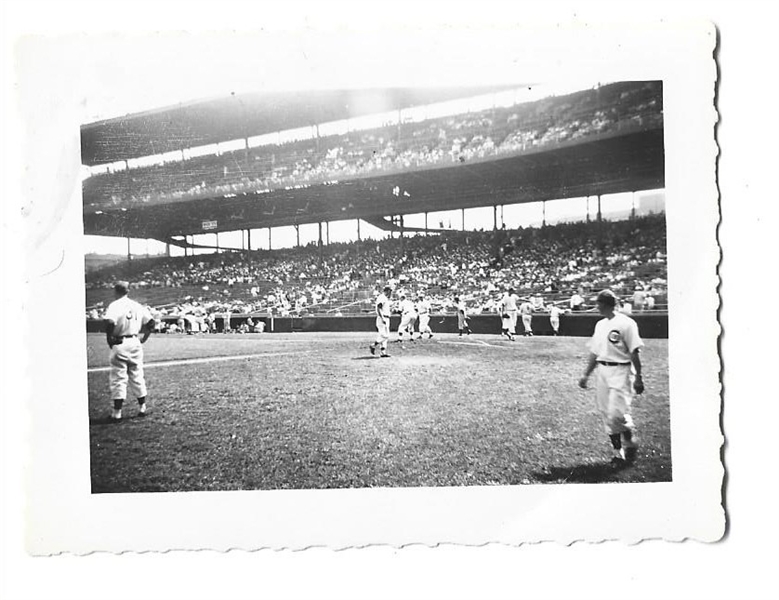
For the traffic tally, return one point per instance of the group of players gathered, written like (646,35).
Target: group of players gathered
(510,308)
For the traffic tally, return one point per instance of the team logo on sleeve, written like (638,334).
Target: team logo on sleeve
(615,337)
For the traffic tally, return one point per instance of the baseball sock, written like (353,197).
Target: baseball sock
(142,400)
(628,435)
(118,403)
(616,441)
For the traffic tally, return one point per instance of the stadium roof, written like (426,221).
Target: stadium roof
(607,164)
(237,116)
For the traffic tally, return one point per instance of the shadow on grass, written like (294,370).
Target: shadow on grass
(587,473)
(109,421)
(365,357)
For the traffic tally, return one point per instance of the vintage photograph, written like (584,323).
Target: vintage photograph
(379,287)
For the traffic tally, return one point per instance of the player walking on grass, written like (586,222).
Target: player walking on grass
(462,317)
(382,322)
(125,319)
(554,318)
(526,310)
(408,315)
(614,350)
(508,310)
(423,310)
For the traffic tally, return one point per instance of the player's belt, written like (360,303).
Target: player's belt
(612,364)
(129,336)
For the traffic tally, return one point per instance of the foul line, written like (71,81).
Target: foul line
(477,343)
(192,361)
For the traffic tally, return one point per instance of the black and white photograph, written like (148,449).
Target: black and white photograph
(274,248)
(371,285)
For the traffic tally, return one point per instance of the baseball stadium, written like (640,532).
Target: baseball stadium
(279,219)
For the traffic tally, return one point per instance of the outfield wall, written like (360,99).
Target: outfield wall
(650,325)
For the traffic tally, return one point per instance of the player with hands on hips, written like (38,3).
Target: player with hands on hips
(124,321)
(614,352)
(383,311)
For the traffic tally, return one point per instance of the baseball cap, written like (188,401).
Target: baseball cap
(122,286)
(607,297)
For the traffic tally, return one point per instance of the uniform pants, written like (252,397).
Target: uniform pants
(406,323)
(126,361)
(382,327)
(555,322)
(526,321)
(424,323)
(614,393)
(512,321)
(462,321)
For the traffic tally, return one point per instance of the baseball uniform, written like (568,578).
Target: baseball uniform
(126,355)
(382,306)
(408,314)
(554,318)
(423,309)
(613,343)
(526,310)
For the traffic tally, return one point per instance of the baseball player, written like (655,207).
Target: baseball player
(554,318)
(124,321)
(508,310)
(614,350)
(526,310)
(423,310)
(382,322)
(408,316)
(462,317)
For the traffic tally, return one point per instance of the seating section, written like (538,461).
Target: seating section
(449,140)
(551,262)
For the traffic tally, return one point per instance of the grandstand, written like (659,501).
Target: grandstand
(272,160)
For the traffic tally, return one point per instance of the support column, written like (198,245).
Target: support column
(270,238)
(319,225)
(502,221)
(633,208)
(327,231)
(297,235)
(495,217)
(129,254)
(167,249)
(462,212)
(216,233)
(600,215)
(543,213)
(587,200)
(186,246)
(426,232)
(359,239)
(249,239)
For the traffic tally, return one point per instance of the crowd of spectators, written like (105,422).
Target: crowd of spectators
(432,142)
(552,263)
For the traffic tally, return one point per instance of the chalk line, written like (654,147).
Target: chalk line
(193,361)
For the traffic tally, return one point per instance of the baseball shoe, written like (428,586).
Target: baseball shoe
(372,348)
(630,454)
(116,414)
(142,409)
(384,355)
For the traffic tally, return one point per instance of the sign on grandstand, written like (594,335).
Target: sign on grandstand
(209,225)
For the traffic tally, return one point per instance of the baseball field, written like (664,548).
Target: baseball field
(313,411)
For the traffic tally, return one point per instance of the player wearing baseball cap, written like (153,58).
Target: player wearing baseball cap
(124,320)
(614,350)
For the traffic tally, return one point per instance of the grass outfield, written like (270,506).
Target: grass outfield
(303,411)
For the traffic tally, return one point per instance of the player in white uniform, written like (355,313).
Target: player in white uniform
(526,310)
(382,322)
(462,317)
(125,320)
(554,318)
(423,310)
(508,310)
(614,350)
(408,316)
